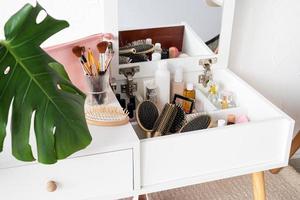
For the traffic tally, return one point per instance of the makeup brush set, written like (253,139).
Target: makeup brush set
(90,65)
(98,110)
(171,120)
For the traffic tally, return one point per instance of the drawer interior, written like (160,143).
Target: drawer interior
(180,36)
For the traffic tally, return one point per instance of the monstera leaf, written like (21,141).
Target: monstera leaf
(37,87)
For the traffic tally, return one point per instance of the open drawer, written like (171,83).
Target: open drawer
(199,156)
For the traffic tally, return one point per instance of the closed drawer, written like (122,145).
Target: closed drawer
(79,178)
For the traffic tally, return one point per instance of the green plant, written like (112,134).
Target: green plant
(33,82)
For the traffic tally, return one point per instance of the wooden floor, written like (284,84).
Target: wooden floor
(283,186)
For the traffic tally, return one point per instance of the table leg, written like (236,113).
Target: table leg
(258,182)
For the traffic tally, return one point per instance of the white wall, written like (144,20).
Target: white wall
(85,17)
(265,50)
(205,20)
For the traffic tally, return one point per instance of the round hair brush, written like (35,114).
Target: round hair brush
(198,122)
(137,49)
(146,114)
(179,120)
(165,121)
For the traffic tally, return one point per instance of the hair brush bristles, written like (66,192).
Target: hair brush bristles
(199,122)
(165,120)
(146,115)
(179,120)
(105,113)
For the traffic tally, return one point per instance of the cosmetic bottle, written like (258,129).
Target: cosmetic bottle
(151,93)
(156,55)
(173,52)
(132,100)
(221,123)
(213,93)
(177,86)
(157,48)
(190,93)
(130,108)
(230,119)
(162,81)
(226,99)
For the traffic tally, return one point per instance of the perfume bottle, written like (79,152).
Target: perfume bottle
(226,100)
(213,92)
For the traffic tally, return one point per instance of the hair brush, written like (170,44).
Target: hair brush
(165,120)
(146,115)
(197,122)
(106,115)
(136,49)
(179,120)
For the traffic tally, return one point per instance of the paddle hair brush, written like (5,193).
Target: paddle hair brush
(198,122)
(179,120)
(137,49)
(146,115)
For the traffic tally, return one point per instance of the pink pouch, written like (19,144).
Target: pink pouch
(63,54)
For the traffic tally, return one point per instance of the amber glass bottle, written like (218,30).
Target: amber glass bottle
(190,93)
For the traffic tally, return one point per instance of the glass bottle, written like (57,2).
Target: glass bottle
(189,92)
(213,93)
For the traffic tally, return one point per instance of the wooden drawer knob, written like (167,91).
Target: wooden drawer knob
(51,186)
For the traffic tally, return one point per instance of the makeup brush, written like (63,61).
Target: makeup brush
(164,122)
(109,56)
(102,46)
(91,61)
(78,52)
(146,115)
(198,122)
(179,120)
